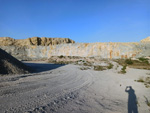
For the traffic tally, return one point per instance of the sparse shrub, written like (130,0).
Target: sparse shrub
(147,86)
(84,68)
(147,101)
(146,81)
(117,67)
(145,60)
(110,66)
(129,61)
(69,57)
(87,64)
(123,69)
(61,62)
(143,63)
(140,80)
(61,56)
(99,68)
(142,59)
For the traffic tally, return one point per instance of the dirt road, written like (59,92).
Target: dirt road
(67,89)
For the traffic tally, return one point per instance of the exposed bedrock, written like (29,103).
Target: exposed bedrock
(35,41)
(103,50)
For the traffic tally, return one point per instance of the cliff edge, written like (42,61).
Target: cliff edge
(34,41)
(36,48)
(146,39)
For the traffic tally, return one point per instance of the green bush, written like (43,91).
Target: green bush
(140,80)
(61,56)
(110,66)
(123,69)
(129,61)
(143,59)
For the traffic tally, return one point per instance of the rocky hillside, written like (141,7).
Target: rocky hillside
(34,41)
(146,40)
(10,65)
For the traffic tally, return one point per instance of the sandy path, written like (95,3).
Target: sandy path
(26,92)
(67,89)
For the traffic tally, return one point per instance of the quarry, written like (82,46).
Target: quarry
(58,75)
(37,48)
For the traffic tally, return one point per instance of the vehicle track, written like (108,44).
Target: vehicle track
(44,89)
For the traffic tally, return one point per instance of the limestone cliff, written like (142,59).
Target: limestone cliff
(34,41)
(46,48)
(146,39)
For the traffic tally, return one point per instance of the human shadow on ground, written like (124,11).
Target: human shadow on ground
(40,67)
(132,100)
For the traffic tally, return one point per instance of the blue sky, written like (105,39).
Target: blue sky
(80,20)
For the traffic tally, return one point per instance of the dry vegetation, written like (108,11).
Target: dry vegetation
(140,63)
(85,62)
(85,68)
(147,101)
(123,69)
(100,68)
(93,62)
(145,80)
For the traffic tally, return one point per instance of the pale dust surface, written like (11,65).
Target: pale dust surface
(67,89)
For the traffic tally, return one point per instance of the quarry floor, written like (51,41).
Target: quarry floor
(68,89)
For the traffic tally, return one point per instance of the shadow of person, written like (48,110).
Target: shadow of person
(132,100)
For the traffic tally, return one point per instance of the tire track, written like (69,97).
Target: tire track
(70,83)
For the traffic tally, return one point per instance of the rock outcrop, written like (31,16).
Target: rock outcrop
(34,41)
(146,39)
(45,48)
(10,65)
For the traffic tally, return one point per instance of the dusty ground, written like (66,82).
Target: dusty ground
(68,89)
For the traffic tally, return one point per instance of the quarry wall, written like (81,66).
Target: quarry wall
(102,50)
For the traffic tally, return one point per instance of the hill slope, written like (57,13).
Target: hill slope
(10,65)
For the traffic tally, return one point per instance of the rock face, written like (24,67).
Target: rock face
(36,41)
(10,65)
(45,49)
(146,39)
